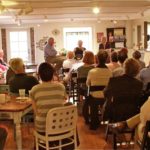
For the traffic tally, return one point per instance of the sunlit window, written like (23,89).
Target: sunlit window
(72,35)
(19,44)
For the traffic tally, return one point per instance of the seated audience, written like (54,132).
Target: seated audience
(137,55)
(46,95)
(104,44)
(100,74)
(78,51)
(3,136)
(88,60)
(114,62)
(127,87)
(10,73)
(97,76)
(82,72)
(69,61)
(138,121)
(144,76)
(2,62)
(20,80)
(122,56)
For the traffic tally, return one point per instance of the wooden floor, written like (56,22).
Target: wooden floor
(89,140)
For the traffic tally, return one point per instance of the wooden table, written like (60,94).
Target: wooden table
(16,110)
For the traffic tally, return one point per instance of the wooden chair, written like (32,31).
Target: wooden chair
(145,143)
(61,124)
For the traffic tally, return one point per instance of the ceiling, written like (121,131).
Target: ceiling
(40,11)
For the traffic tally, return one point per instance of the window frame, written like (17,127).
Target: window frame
(28,42)
(78,29)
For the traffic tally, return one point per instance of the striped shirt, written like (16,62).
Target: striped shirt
(98,76)
(46,95)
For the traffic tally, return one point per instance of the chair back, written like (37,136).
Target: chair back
(61,119)
(95,88)
(4,89)
(124,106)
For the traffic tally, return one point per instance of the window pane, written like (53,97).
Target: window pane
(14,47)
(23,46)
(22,36)
(19,45)
(72,35)
(13,36)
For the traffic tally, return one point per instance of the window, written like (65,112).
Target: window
(19,44)
(72,35)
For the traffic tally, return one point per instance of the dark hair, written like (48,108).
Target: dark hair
(46,71)
(102,57)
(122,56)
(114,57)
(136,55)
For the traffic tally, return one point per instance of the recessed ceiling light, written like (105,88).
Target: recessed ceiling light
(38,25)
(45,19)
(115,22)
(98,21)
(96,10)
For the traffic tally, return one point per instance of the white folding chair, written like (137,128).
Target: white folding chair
(60,124)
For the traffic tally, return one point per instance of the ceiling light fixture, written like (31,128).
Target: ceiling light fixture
(98,21)
(96,10)
(45,19)
(19,22)
(38,25)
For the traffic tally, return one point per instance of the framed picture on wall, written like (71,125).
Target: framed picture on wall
(99,36)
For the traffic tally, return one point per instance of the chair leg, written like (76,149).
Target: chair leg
(107,132)
(60,145)
(37,145)
(114,142)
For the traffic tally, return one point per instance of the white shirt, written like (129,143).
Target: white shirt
(68,63)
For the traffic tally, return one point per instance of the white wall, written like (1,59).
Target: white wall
(46,30)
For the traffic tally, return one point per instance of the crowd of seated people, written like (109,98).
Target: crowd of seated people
(118,77)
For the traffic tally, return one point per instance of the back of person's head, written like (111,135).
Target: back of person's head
(102,57)
(122,56)
(124,50)
(17,65)
(132,67)
(70,55)
(136,55)
(46,72)
(114,57)
(88,57)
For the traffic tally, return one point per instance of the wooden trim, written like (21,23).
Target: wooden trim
(145,34)
(4,43)
(32,45)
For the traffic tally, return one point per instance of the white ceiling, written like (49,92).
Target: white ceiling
(66,10)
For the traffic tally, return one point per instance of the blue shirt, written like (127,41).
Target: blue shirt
(49,51)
